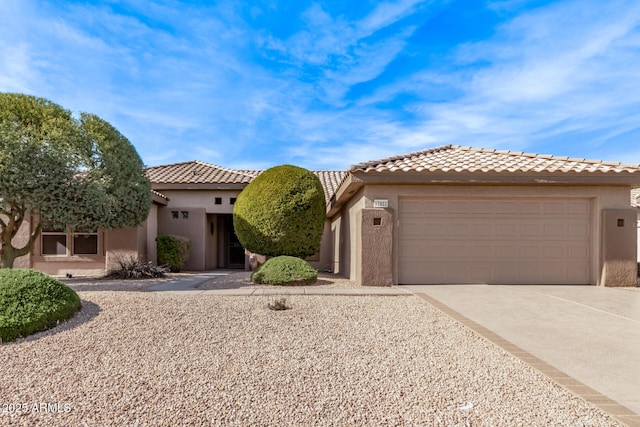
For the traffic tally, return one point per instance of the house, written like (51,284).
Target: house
(449,214)
(456,214)
(200,207)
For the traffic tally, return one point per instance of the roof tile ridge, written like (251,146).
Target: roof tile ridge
(172,164)
(369,163)
(564,158)
(222,168)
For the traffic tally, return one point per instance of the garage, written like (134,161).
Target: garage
(453,214)
(494,240)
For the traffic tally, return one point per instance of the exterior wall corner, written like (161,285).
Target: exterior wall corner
(619,245)
(376,246)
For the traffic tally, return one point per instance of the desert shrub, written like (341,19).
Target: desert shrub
(32,302)
(281,212)
(133,268)
(285,271)
(279,305)
(173,251)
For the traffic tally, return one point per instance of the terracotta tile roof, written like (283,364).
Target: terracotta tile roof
(454,158)
(196,172)
(330,182)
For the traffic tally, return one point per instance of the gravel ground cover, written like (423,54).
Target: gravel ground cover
(152,359)
(243,279)
(232,280)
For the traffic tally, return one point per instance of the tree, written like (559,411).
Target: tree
(69,172)
(281,212)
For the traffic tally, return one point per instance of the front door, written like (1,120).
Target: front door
(234,252)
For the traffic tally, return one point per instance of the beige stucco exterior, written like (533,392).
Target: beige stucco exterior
(608,267)
(112,245)
(365,241)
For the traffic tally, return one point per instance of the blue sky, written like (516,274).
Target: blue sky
(326,84)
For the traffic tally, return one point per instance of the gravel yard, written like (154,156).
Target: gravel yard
(243,279)
(142,358)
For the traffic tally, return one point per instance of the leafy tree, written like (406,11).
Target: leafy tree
(281,212)
(71,173)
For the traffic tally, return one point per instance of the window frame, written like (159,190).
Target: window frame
(52,232)
(70,242)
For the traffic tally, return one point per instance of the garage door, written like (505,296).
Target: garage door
(495,241)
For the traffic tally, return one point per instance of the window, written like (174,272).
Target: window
(185,214)
(56,242)
(85,244)
(232,200)
(175,214)
(218,200)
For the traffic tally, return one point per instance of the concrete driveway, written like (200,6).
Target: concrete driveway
(585,337)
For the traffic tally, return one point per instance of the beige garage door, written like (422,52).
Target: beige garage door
(495,241)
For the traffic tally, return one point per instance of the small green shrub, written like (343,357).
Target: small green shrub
(32,302)
(173,251)
(133,268)
(285,271)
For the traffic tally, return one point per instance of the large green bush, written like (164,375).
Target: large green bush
(285,271)
(173,251)
(281,212)
(32,302)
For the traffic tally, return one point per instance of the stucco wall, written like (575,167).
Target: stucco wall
(323,260)
(193,228)
(377,245)
(204,199)
(76,265)
(618,253)
(336,245)
(347,258)
(602,197)
(151,234)
(211,242)
(120,244)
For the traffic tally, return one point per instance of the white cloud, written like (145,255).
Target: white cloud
(180,80)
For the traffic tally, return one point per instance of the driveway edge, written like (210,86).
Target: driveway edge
(618,412)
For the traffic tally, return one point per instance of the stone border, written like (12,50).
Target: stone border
(618,412)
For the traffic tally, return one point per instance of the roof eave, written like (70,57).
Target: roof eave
(349,186)
(159,200)
(209,186)
(499,178)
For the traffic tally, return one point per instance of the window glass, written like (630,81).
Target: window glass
(54,244)
(85,244)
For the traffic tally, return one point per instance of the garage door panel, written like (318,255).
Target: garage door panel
(578,230)
(481,252)
(529,252)
(554,208)
(494,241)
(577,252)
(482,229)
(506,207)
(581,207)
(553,252)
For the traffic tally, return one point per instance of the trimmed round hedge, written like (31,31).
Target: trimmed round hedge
(32,302)
(281,212)
(285,271)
